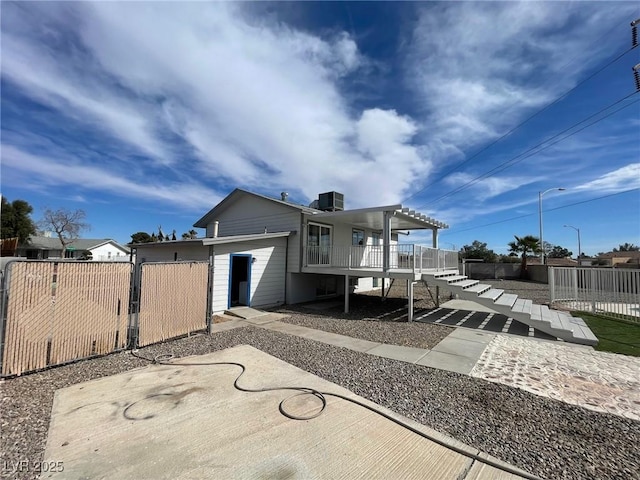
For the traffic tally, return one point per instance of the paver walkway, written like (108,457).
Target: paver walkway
(575,374)
(600,381)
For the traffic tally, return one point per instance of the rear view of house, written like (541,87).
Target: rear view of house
(267,251)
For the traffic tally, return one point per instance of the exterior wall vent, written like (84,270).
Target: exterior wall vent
(331,201)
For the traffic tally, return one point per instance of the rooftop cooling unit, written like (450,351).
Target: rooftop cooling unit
(331,201)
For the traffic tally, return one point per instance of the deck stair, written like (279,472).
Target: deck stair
(554,322)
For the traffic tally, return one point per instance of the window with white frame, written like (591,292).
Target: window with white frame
(357,237)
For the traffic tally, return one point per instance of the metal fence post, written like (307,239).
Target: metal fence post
(4,282)
(552,285)
(134,318)
(594,275)
(210,288)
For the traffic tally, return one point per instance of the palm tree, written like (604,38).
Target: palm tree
(524,246)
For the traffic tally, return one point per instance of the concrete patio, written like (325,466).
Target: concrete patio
(177,422)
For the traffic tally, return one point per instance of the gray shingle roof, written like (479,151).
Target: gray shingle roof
(53,243)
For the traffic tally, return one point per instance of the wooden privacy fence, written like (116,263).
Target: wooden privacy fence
(614,292)
(62,311)
(173,300)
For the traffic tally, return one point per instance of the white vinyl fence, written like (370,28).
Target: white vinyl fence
(614,292)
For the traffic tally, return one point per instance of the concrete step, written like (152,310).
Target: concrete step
(582,333)
(245,312)
(522,305)
(536,312)
(478,288)
(552,317)
(553,322)
(507,300)
(444,273)
(454,278)
(492,294)
(467,283)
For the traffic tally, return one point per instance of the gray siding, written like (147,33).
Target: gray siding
(267,273)
(250,215)
(167,252)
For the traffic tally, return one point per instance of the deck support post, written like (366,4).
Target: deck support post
(386,240)
(346,294)
(410,284)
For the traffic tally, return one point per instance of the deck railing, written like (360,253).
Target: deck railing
(401,257)
(614,292)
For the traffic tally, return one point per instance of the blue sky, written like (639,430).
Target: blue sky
(147,114)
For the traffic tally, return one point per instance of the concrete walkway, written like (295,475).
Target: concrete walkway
(458,352)
(574,374)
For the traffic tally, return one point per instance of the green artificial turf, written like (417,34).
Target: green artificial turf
(614,335)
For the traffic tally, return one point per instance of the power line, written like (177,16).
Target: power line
(546,210)
(529,153)
(561,97)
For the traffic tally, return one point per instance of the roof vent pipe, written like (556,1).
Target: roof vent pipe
(283,196)
(216,225)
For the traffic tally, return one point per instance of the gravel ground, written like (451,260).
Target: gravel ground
(416,335)
(371,319)
(367,307)
(538,292)
(546,437)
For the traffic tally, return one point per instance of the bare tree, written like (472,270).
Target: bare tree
(66,224)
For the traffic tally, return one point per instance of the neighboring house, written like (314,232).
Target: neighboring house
(553,262)
(8,247)
(618,258)
(103,249)
(586,261)
(268,251)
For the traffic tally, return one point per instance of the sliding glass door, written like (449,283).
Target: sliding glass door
(318,244)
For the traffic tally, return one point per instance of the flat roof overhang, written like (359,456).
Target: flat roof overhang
(244,238)
(373,218)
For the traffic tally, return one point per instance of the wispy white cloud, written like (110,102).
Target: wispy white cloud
(255,102)
(477,71)
(77,94)
(61,171)
(212,96)
(487,188)
(621,179)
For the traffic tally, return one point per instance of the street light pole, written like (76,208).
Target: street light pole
(579,250)
(540,195)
